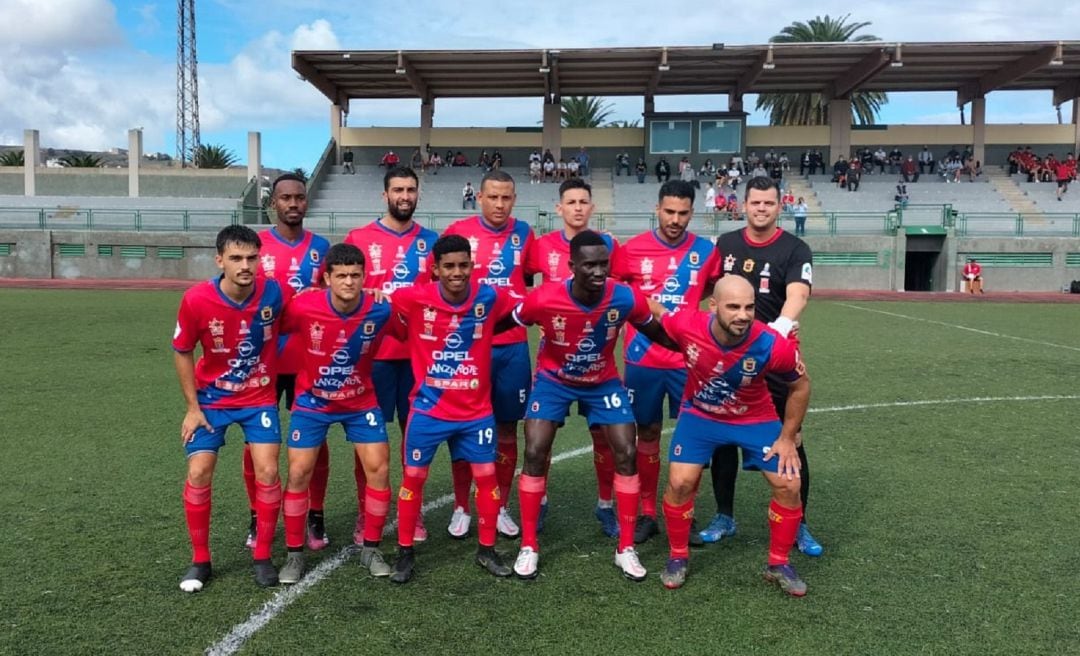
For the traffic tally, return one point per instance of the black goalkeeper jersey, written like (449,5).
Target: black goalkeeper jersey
(769,266)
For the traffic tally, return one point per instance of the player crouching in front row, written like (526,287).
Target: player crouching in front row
(726,401)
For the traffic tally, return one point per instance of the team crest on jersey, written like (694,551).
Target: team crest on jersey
(217,327)
(268,264)
(695,259)
(315,332)
(807,272)
(612,315)
(315,256)
(515,241)
(295,436)
(369,328)
(729,263)
(421,245)
(748,265)
(479,310)
(429,314)
(749,365)
(267,313)
(558,322)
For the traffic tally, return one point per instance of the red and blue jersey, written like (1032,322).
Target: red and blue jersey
(393,260)
(295,265)
(339,350)
(499,256)
(728,383)
(678,276)
(450,348)
(550,256)
(578,347)
(238,366)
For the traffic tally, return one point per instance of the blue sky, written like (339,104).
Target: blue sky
(85,71)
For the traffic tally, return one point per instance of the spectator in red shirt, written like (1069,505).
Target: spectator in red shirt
(389,160)
(1064,172)
(909,170)
(973,275)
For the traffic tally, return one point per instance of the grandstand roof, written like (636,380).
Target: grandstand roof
(833,69)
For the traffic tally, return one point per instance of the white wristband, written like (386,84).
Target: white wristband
(782,325)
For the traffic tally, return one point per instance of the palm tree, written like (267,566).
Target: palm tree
(810,108)
(12,158)
(636,123)
(584,112)
(214,156)
(80,161)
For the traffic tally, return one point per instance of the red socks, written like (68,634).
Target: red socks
(462,475)
(197,512)
(627,494)
(783,528)
(506,457)
(531,490)
(361,481)
(295,508)
(267,509)
(648,467)
(376,507)
(319,478)
(488,502)
(249,477)
(677,519)
(604,462)
(410,499)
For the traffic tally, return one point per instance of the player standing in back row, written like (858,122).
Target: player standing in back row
(780,267)
(550,257)
(676,268)
(500,247)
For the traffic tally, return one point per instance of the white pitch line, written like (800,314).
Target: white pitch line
(284,598)
(989,333)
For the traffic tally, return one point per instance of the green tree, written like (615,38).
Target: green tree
(214,156)
(811,108)
(636,123)
(584,112)
(80,161)
(12,158)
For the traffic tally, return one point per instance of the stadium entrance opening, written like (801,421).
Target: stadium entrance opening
(924,265)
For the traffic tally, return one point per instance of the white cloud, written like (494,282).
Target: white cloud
(58,25)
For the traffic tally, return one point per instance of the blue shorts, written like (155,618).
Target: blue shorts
(393,381)
(648,386)
(260,426)
(602,405)
(511,380)
(472,441)
(696,438)
(308,429)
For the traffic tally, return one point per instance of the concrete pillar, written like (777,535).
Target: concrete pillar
(254,161)
(650,104)
(427,118)
(336,115)
(552,138)
(1076,126)
(978,125)
(734,103)
(135,152)
(32,160)
(839,130)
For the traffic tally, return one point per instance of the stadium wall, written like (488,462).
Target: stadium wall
(153,183)
(842,262)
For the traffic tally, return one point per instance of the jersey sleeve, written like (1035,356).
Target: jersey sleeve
(620,264)
(532,260)
(186,335)
(504,302)
(800,265)
(529,311)
(673,324)
(401,304)
(289,317)
(353,238)
(785,360)
(640,314)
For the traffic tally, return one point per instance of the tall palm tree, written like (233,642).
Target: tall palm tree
(810,108)
(584,112)
(80,161)
(16,158)
(213,156)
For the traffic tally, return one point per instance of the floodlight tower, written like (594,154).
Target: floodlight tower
(187,84)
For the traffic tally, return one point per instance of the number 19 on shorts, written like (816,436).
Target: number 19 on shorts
(485,435)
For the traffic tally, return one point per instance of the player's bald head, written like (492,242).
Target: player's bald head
(733,288)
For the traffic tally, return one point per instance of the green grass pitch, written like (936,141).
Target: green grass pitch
(949,528)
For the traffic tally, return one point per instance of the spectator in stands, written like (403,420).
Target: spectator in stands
(496,159)
(866,156)
(785,162)
(770,157)
(733,207)
(737,162)
(804,162)
(641,170)
(548,157)
(484,162)
(895,159)
(1045,169)
(776,172)
(787,200)
(752,162)
(550,170)
(710,199)
(1064,173)
(1014,160)
(839,172)
(536,171)
(468,197)
(759,171)
(973,276)
(733,175)
(708,169)
(535,156)
(880,158)
(817,161)
(952,153)
(663,170)
(561,171)
(449,158)
(799,209)
(459,159)
(721,203)
(416,161)
(573,168)
(909,171)
(686,172)
(926,161)
(622,163)
(854,175)
(346,162)
(583,162)
(972,169)
(901,196)
(389,160)
(951,170)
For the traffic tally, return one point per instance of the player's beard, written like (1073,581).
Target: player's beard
(400,214)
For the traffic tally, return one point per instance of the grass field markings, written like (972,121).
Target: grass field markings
(960,327)
(241,633)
